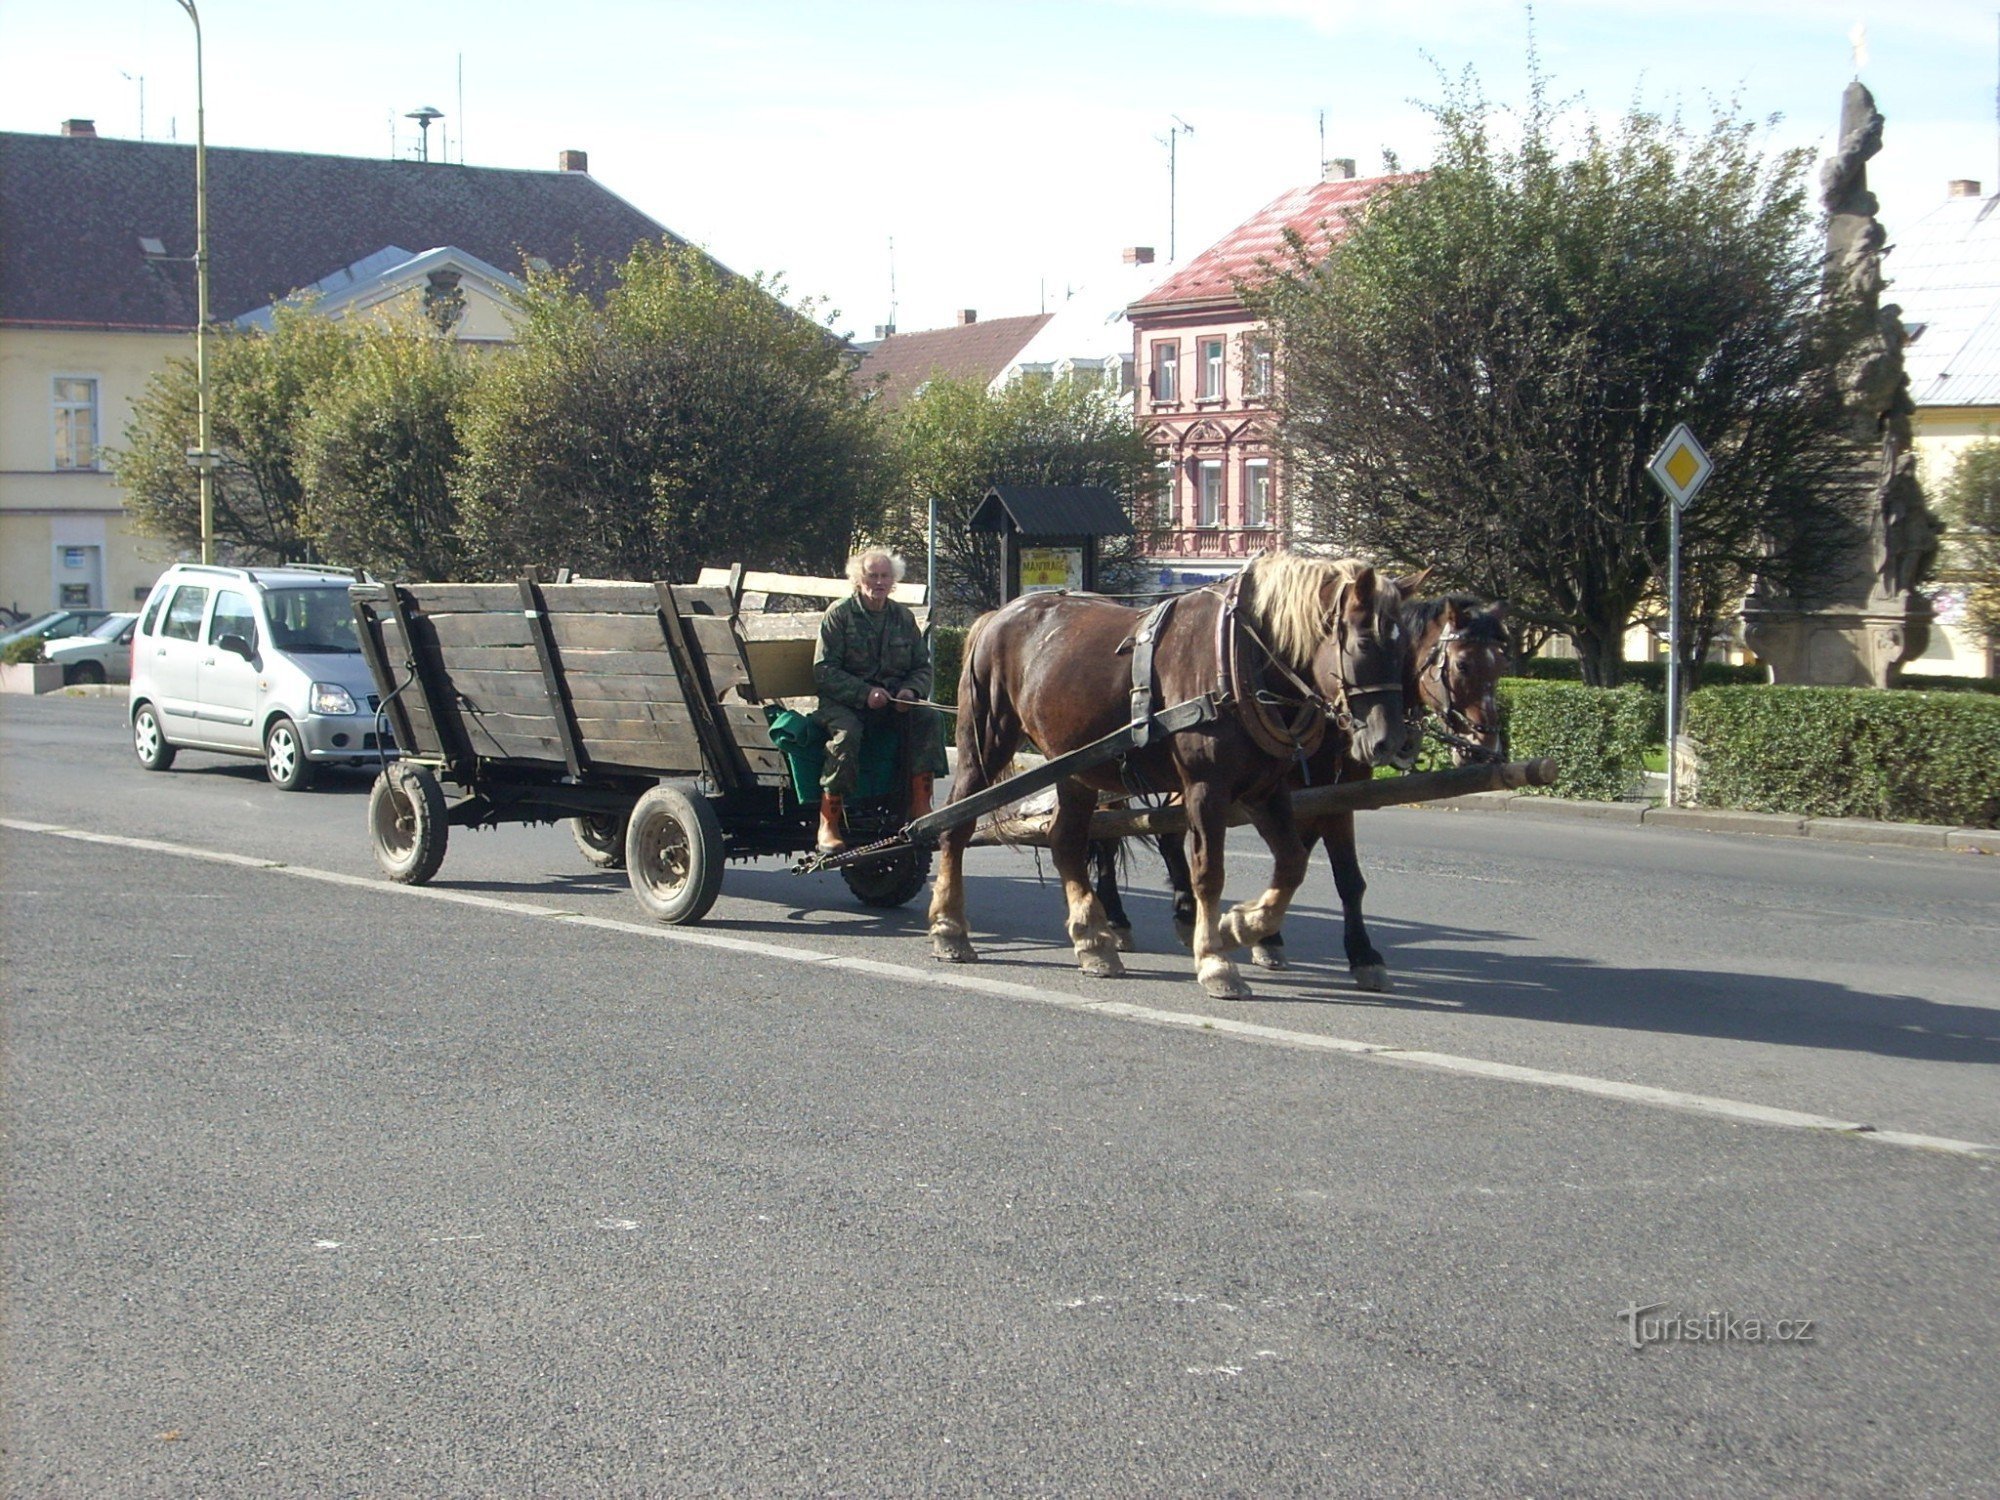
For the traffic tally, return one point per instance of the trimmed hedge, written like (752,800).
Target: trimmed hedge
(1599,736)
(27,649)
(1849,753)
(947,654)
(1651,675)
(1925,683)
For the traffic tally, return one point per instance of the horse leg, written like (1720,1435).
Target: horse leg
(1214,970)
(1268,952)
(978,764)
(1173,854)
(1069,848)
(1253,921)
(1369,970)
(1104,881)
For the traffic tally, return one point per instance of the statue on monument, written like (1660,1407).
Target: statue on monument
(1873,618)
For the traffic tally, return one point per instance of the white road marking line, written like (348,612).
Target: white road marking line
(953,977)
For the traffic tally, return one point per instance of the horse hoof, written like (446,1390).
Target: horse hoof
(1224,982)
(1185,932)
(1121,938)
(1268,958)
(1372,977)
(1101,966)
(953,950)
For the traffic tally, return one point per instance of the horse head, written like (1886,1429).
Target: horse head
(1361,665)
(1462,654)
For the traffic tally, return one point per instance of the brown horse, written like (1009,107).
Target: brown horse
(1057,669)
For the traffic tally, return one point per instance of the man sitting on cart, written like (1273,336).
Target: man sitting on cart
(872,661)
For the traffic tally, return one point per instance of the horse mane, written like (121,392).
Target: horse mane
(1284,593)
(1481,623)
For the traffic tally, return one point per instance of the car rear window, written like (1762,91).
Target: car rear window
(311,619)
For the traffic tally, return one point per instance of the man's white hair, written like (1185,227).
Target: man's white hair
(857,565)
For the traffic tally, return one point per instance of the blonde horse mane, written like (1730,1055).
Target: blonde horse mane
(1287,594)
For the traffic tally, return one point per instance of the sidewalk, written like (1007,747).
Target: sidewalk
(1729,820)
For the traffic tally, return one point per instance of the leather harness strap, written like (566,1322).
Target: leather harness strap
(1295,737)
(1143,641)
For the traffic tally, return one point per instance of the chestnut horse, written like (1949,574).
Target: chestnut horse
(1057,669)
(1456,652)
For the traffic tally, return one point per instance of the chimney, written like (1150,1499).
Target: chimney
(1337,169)
(573,161)
(1962,187)
(884,330)
(83,130)
(1139,255)
(967,317)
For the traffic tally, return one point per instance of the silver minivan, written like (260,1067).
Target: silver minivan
(253,661)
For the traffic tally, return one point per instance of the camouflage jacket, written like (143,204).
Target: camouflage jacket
(858,651)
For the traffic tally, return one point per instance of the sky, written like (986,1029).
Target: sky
(903,161)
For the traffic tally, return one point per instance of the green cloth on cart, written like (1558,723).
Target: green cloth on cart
(803,743)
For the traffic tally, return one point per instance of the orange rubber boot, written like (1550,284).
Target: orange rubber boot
(832,824)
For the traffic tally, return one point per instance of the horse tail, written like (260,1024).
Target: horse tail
(975,696)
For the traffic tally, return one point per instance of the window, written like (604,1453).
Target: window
(76,422)
(1261,363)
(1214,353)
(1209,492)
(1167,372)
(234,615)
(1257,492)
(311,619)
(184,614)
(1167,506)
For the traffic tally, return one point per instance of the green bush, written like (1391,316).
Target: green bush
(1599,736)
(947,654)
(1651,675)
(27,649)
(1929,684)
(1849,753)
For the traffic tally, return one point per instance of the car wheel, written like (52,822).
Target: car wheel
(406,822)
(89,673)
(149,740)
(674,854)
(285,757)
(601,838)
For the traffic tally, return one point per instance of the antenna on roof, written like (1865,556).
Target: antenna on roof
(140,79)
(1171,141)
(461,109)
(892,283)
(1322,135)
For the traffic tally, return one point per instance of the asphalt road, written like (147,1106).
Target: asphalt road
(320,1186)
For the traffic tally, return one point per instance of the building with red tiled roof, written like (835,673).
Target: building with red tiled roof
(1207,375)
(969,350)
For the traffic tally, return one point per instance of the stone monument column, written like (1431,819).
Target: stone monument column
(1870,617)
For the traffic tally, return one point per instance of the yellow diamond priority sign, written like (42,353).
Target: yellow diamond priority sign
(1680,467)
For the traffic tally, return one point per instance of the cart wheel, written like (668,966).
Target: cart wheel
(406,819)
(673,853)
(601,837)
(889,882)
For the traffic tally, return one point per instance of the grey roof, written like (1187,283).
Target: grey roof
(75,212)
(1052,510)
(1944,273)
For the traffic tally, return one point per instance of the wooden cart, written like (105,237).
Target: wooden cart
(636,710)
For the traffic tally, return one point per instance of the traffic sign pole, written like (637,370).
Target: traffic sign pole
(1680,468)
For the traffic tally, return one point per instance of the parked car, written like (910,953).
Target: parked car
(56,625)
(262,662)
(104,654)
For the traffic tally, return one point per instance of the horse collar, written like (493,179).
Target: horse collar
(1237,681)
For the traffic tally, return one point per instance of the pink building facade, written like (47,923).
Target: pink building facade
(1207,382)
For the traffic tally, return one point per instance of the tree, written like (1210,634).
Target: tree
(1970,499)
(692,419)
(260,385)
(377,452)
(1477,374)
(954,441)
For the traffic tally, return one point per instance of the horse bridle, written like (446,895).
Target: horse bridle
(1459,732)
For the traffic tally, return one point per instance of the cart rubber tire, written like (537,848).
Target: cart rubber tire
(674,854)
(600,837)
(285,760)
(894,881)
(149,740)
(406,822)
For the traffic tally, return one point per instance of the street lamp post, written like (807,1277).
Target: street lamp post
(202,458)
